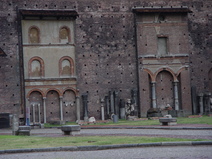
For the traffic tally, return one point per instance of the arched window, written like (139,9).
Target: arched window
(34,35)
(36,67)
(64,35)
(66,66)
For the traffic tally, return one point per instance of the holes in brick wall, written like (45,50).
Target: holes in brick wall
(83,55)
(13,95)
(120,90)
(131,73)
(8,14)
(107,73)
(129,63)
(6,85)
(97,91)
(14,105)
(17,85)
(121,73)
(66,112)
(132,82)
(123,26)
(120,81)
(97,82)
(96,73)
(119,64)
(86,82)
(46,5)
(85,74)
(108,82)
(85,65)
(50,112)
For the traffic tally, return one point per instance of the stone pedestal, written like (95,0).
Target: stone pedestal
(71,129)
(168,121)
(15,124)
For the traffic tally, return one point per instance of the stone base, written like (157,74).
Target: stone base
(71,129)
(57,122)
(24,130)
(168,121)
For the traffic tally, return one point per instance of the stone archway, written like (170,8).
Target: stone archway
(52,106)
(164,89)
(36,107)
(69,106)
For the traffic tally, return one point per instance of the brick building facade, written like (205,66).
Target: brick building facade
(156,53)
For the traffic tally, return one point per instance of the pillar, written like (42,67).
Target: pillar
(154,105)
(44,109)
(107,106)
(111,102)
(39,113)
(176,99)
(116,102)
(33,113)
(85,106)
(61,108)
(78,108)
(102,109)
(207,96)
(134,96)
(201,103)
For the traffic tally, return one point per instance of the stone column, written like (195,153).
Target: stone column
(33,113)
(107,107)
(201,103)
(207,102)
(122,109)
(61,108)
(194,99)
(78,108)
(154,105)
(85,106)
(44,109)
(15,125)
(111,102)
(102,109)
(134,96)
(116,102)
(39,113)
(28,115)
(176,99)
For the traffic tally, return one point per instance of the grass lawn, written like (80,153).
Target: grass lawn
(180,120)
(18,142)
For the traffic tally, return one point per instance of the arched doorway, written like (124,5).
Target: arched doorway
(52,106)
(36,107)
(164,89)
(69,106)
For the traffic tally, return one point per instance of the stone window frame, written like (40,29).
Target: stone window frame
(71,65)
(41,63)
(69,33)
(33,27)
(167,44)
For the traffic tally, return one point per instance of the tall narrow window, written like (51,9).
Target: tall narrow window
(162,46)
(34,35)
(64,35)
